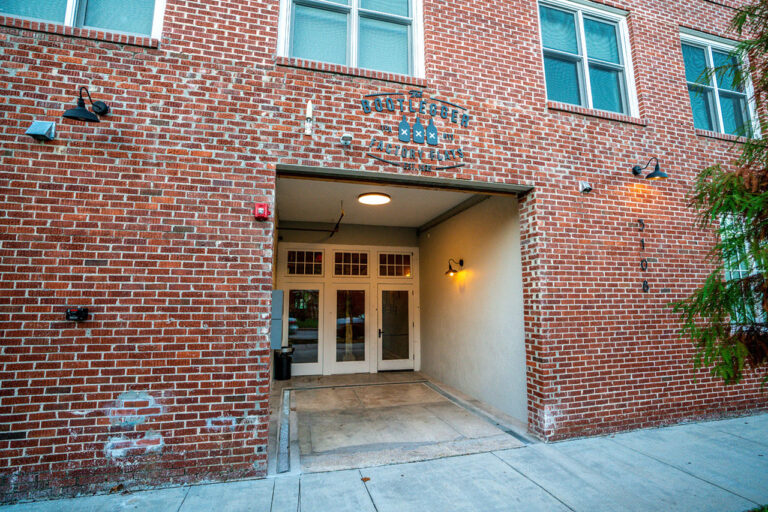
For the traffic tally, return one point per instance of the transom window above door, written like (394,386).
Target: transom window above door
(380,35)
(394,265)
(305,263)
(350,263)
(586,57)
(718,102)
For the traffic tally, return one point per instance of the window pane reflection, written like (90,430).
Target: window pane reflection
(350,325)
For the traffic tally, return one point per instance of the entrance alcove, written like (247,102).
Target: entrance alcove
(394,359)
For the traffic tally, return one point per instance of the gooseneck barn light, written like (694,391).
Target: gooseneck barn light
(374,198)
(80,113)
(656,174)
(453,271)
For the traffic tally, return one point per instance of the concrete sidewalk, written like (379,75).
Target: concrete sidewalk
(718,466)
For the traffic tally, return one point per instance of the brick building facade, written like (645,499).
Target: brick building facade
(147,219)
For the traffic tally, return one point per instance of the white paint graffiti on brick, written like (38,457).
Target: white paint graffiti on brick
(123,413)
(123,446)
(221,423)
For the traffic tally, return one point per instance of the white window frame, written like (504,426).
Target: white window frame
(709,43)
(416,58)
(345,276)
(606,14)
(403,253)
(732,271)
(73,6)
(305,277)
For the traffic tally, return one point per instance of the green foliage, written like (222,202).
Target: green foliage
(726,316)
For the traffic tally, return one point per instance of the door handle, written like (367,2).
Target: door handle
(380,332)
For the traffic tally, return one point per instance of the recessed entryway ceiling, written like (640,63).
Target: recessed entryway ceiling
(307,200)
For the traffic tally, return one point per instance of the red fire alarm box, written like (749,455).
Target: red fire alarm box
(261,211)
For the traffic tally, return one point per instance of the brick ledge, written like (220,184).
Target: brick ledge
(292,62)
(574,109)
(722,136)
(84,33)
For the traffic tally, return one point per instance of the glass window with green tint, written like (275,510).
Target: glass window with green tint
(134,17)
(584,62)
(50,10)
(718,100)
(738,264)
(320,34)
(370,34)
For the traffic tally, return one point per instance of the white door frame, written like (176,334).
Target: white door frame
(306,368)
(327,282)
(396,364)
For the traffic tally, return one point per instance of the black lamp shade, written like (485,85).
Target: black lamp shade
(452,271)
(657,174)
(80,113)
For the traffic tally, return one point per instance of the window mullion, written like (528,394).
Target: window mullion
(575,57)
(715,93)
(354,29)
(411,38)
(157,19)
(584,60)
(70,13)
(607,65)
(383,16)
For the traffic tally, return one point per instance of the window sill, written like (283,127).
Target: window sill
(84,33)
(574,109)
(721,136)
(292,62)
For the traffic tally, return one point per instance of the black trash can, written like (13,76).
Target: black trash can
(283,359)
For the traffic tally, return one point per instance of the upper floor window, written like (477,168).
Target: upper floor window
(586,57)
(373,34)
(140,17)
(718,102)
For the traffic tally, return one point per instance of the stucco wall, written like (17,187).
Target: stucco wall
(472,323)
(348,234)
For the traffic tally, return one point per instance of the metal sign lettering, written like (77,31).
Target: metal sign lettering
(416,146)
(644,261)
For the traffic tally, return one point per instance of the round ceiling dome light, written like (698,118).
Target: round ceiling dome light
(374,198)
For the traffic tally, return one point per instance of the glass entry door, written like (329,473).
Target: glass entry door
(348,349)
(395,328)
(304,327)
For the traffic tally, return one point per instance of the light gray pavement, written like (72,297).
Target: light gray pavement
(713,466)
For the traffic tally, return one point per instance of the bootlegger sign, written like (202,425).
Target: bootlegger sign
(410,138)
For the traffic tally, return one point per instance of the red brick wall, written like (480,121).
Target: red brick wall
(145,218)
(602,355)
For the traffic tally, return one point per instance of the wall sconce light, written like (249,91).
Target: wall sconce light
(346,140)
(308,121)
(656,174)
(42,130)
(80,113)
(453,271)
